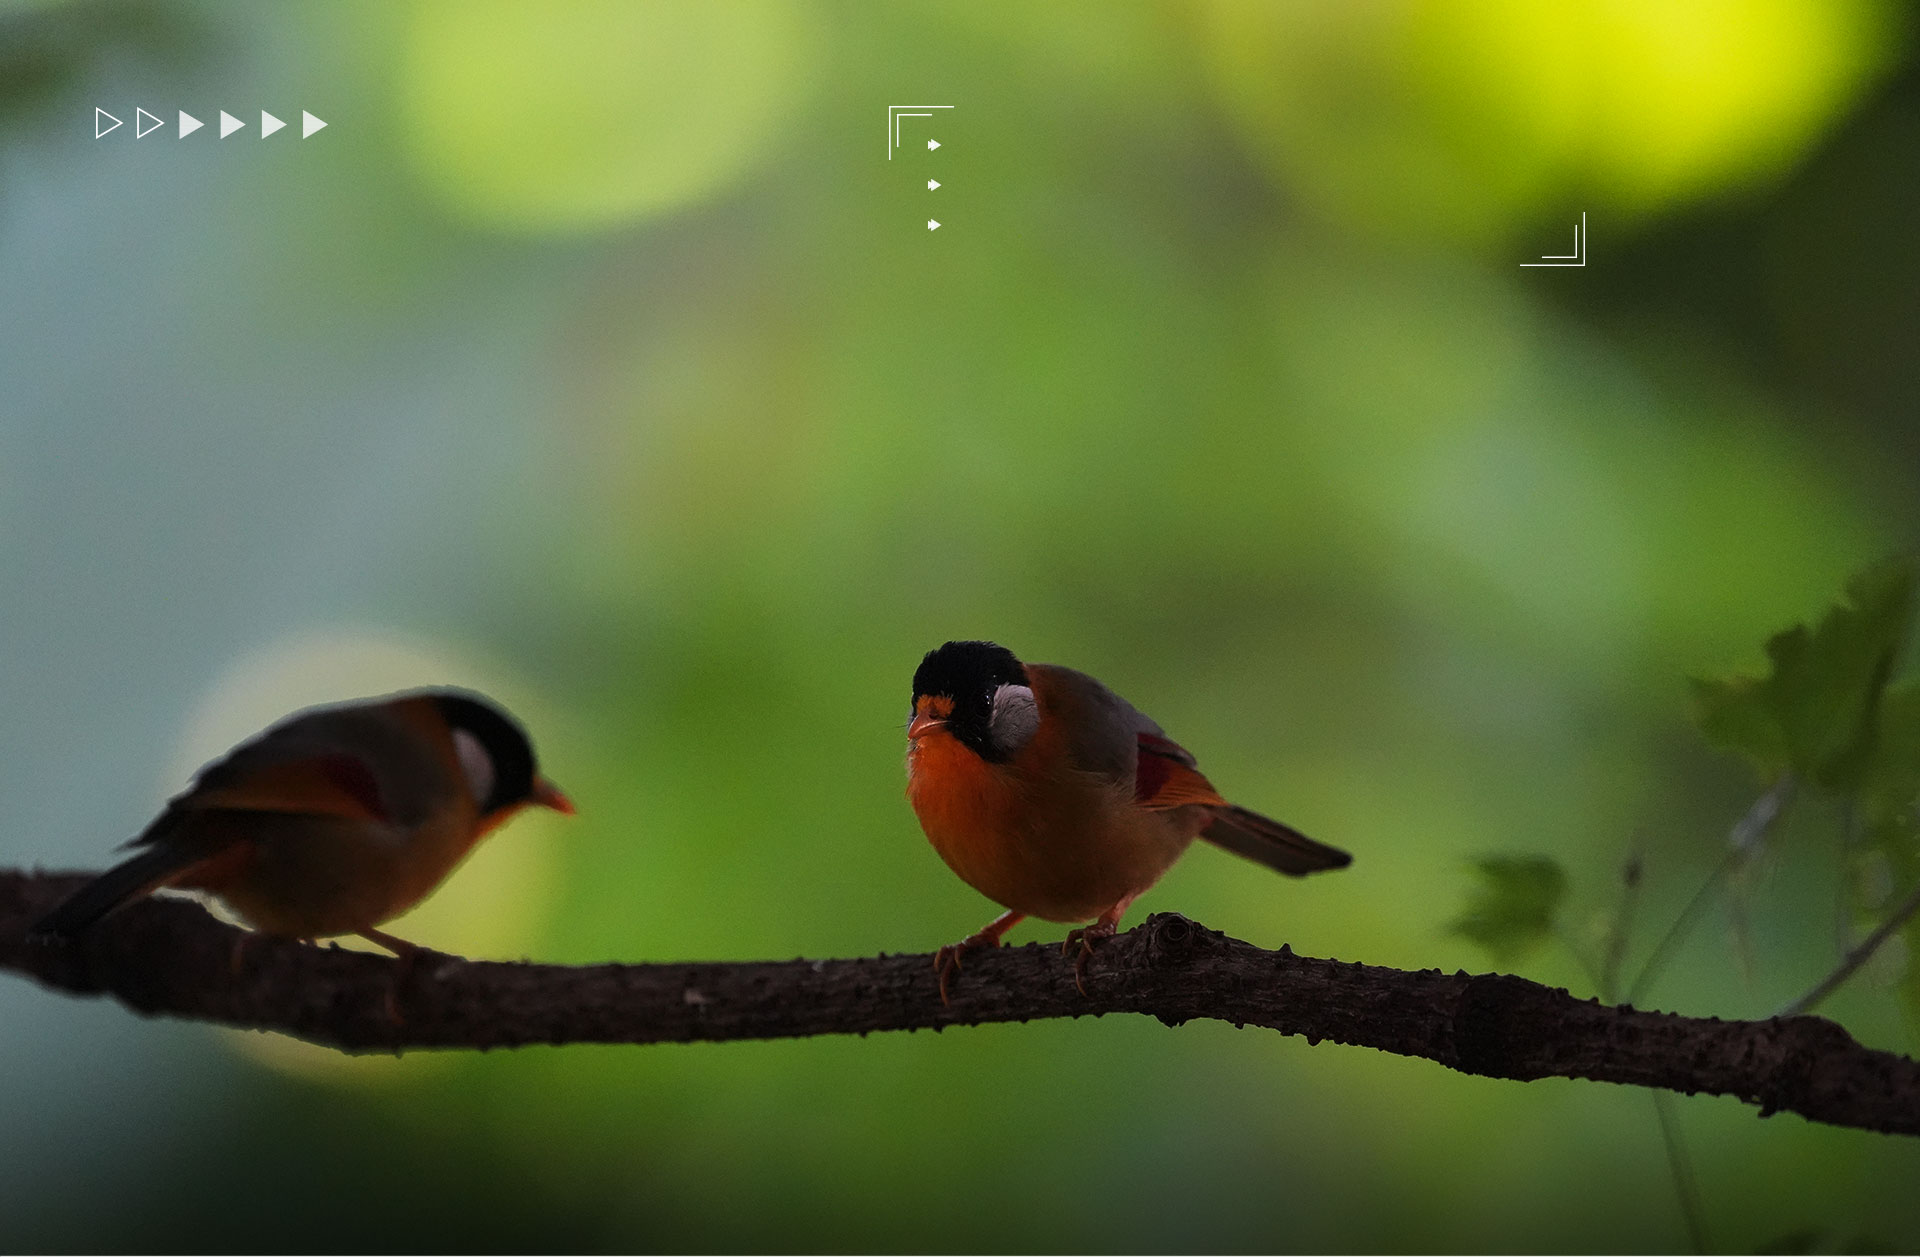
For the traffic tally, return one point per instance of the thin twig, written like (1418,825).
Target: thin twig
(1855,958)
(1743,843)
(1686,1190)
(1685,1185)
(1616,948)
(1580,958)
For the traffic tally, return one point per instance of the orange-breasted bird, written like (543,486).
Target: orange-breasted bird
(1056,798)
(333,821)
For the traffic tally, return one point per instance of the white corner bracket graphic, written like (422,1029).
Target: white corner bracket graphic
(1579,255)
(897,112)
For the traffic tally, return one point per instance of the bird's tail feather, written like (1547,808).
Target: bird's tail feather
(117,886)
(1268,842)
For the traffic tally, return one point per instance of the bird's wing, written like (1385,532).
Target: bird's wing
(330,783)
(382,762)
(1087,722)
(1108,736)
(1166,776)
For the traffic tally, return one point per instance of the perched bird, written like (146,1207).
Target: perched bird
(1051,795)
(333,821)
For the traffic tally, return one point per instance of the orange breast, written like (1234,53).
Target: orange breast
(967,809)
(1062,846)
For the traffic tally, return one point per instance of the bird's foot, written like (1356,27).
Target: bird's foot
(237,954)
(1086,936)
(946,961)
(406,957)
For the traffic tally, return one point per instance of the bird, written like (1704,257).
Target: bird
(1053,796)
(333,821)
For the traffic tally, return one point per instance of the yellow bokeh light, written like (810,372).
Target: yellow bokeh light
(591,113)
(1459,121)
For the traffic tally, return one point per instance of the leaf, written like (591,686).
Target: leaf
(1512,910)
(1736,713)
(1892,779)
(1816,712)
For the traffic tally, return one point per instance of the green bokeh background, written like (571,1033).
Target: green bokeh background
(596,354)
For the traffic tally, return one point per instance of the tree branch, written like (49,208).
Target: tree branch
(168,956)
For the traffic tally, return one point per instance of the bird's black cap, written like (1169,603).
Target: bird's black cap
(504,741)
(969,673)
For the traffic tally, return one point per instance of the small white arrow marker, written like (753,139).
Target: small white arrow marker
(932,184)
(145,124)
(100,115)
(189,124)
(932,144)
(269,124)
(309,124)
(229,124)
(932,225)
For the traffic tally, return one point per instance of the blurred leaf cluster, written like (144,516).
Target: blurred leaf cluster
(1823,709)
(1514,906)
(1829,711)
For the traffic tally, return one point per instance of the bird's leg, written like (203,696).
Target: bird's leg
(1088,935)
(406,956)
(946,961)
(237,955)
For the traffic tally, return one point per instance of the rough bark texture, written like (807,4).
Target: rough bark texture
(171,957)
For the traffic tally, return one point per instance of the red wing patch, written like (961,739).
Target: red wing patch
(1165,776)
(350,775)
(214,872)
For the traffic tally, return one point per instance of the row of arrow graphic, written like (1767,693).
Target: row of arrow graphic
(145,124)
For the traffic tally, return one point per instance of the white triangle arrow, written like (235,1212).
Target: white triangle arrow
(269,124)
(189,124)
(932,144)
(100,115)
(932,225)
(144,124)
(309,124)
(229,124)
(932,184)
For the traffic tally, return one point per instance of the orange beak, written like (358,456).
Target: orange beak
(923,725)
(546,794)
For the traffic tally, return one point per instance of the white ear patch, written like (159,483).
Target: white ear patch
(1015,717)
(475,765)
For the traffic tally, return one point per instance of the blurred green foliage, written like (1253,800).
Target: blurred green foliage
(1818,711)
(1512,907)
(1827,712)
(597,356)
